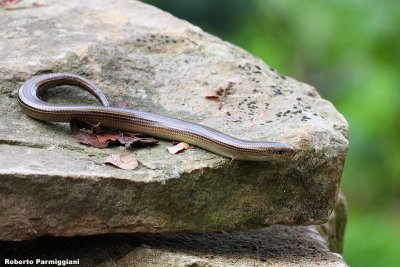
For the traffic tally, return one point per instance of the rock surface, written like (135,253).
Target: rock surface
(51,185)
(272,246)
(333,230)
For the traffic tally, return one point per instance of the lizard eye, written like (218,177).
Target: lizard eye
(279,152)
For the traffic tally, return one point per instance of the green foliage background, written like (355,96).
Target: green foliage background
(350,51)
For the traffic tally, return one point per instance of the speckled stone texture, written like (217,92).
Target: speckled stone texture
(276,245)
(52,185)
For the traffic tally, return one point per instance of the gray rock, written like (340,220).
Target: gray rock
(51,185)
(333,230)
(276,245)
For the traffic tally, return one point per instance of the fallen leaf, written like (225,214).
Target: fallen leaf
(220,91)
(83,132)
(178,148)
(213,97)
(98,136)
(110,137)
(233,118)
(223,91)
(136,140)
(126,162)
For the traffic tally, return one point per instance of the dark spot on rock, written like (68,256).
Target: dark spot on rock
(312,94)
(277,89)
(298,99)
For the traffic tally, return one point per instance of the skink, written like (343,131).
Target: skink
(138,121)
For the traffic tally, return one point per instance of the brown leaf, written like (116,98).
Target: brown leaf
(213,97)
(98,136)
(96,128)
(220,91)
(126,162)
(110,137)
(136,140)
(178,148)
(86,126)
(83,132)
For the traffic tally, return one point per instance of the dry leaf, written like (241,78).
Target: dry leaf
(220,91)
(127,162)
(213,97)
(97,136)
(223,91)
(83,132)
(178,148)
(136,140)
(109,137)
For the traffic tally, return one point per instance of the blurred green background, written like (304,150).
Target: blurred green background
(350,51)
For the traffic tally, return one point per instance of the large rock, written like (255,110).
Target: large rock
(51,185)
(333,230)
(276,245)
